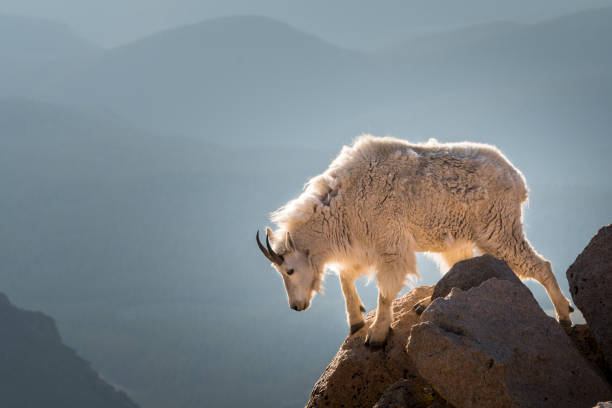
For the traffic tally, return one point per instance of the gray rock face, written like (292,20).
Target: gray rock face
(358,376)
(492,346)
(410,394)
(471,273)
(590,281)
(589,349)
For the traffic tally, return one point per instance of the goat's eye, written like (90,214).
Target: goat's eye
(290,272)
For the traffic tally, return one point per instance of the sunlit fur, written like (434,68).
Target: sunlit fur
(383,199)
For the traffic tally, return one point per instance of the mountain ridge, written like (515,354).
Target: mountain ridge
(257,25)
(35,359)
(42,36)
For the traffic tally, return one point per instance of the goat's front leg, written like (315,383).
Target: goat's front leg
(390,282)
(354,307)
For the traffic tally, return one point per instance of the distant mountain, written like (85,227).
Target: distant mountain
(447,40)
(365,25)
(72,144)
(358,24)
(38,370)
(546,85)
(235,78)
(570,45)
(252,80)
(26,37)
(36,52)
(71,171)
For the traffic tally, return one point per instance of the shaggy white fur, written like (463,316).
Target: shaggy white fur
(383,199)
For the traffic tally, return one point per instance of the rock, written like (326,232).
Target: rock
(493,346)
(411,393)
(38,370)
(471,273)
(587,346)
(358,376)
(590,281)
(607,404)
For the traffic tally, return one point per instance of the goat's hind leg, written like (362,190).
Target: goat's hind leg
(527,263)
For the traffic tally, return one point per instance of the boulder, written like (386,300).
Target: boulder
(587,346)
(471,273)
(412,393)
(358,375)
(606,404)
(590,281)
(493,346)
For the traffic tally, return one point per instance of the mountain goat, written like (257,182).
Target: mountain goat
(382,200)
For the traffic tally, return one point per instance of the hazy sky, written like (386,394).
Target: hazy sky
(353,23)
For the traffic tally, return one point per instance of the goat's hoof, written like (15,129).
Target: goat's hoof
(362,308)
(419,307)
(565,323)
(376,345)
(571,309)
(376,340)
(356,327)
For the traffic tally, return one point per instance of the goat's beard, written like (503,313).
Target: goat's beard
(317,284)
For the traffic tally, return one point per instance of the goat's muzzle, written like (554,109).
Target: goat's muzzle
(299,306)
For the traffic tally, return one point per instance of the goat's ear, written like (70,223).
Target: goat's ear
(270,234)
(289,242)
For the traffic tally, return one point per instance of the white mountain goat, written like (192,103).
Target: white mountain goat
(382,200)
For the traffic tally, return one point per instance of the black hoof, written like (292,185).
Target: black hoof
(571,309)
(419,308)
(356,327)
(362,308)
(565,323)
(375,345)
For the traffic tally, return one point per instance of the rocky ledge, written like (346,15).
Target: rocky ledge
(483,342)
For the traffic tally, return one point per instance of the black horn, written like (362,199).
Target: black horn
(278,259)
(268,253)
(262,249)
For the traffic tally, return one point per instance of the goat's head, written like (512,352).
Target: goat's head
(294,266)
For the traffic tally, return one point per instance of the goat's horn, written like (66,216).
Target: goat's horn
(262,249)
(277,259)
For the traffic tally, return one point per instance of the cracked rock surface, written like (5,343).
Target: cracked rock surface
(493,346)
